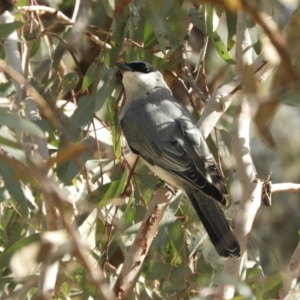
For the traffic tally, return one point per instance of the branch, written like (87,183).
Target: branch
(276,37)
(223,96)
(245,169)
(144,237)
(40,9)
(291,275)
(262,68)
(285,187)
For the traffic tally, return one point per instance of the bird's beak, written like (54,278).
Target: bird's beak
(123,67)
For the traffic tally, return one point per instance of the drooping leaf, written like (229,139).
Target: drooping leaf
(10,144)
(255,35)
(115,127)
(84,112)
(206,20)
(107,192)
(8,28)
(90,75)
(158,25)
(6,88)
(13,186)
(73,167)
(156,270)
(214,36)
(198,19)
(105,87)
(231,20)
(18,124)
(70,81)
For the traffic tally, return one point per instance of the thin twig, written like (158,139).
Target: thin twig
(276,37)
(39,9)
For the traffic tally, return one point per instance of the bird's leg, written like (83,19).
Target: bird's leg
(165,185)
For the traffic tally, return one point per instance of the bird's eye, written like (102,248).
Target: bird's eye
(143,67)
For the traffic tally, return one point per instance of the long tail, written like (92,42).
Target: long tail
(215,223)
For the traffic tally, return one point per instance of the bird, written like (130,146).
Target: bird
(165,135)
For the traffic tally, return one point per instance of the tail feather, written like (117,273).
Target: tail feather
(215,223)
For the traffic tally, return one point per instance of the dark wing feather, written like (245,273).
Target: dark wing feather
(175,160)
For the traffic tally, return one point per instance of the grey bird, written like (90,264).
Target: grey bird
(164,134)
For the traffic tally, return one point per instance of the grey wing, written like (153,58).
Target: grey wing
(185,155)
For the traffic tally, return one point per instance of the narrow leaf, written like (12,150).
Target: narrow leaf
(8,28)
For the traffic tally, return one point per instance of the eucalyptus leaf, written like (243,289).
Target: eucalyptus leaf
(231,20)
(14,188)
(84,112)
(70,81)
(156,270)
(73,168)
(107,192)
(158,25)
(8,28)
(20,125)
(6,89)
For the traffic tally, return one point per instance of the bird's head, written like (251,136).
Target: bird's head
(139,78)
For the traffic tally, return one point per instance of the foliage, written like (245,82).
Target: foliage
(105,191)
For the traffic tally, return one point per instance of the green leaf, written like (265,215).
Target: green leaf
(8,28)
(149,37)
(198,19)
(36,46)
(4,195)
(7,280)
(158,25)
(14,187)
(214,36)
(206,21)
(231,20)
(19,124)
(176,234)
(70,81)
(166,5)
(7,142)
(176,274)
(84,112)
(172,288)
(156,270)
(272,285)
(109,7)
(90,75)
(10,145)
(107,192)
(169,215)
(291,99)
(255,35)
(16,229)
(119,28)
(6,88)
(115,127)
(44,125)
(105,88)
(73,168)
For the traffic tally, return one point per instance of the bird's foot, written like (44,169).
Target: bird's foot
(165,185)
